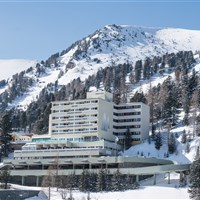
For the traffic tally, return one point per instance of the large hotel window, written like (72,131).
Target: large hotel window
(127,120)
(126,114)
(127,107)
(126,127)
(123,133)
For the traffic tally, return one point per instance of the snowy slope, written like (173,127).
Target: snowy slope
(121,44)
(144,85)
(180,156)
(9,67)
(50,76)
(106,47)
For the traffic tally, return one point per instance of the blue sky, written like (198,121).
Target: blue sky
(36,30)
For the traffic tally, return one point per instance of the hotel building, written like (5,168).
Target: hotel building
(88,128)
(82,136)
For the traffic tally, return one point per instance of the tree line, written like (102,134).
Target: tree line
(89,181)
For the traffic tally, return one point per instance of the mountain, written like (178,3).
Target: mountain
(72,72)
(114,45)
(109,46)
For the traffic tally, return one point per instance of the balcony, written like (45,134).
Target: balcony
(49,153)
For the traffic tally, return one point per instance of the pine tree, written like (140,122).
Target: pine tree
(194,187)
(5,138)
(187,147)
(186,119)
(192,83)
(92,182)
(158,141)
(117,181)
(171,102)
(23,120)
(149,139)
(127,139)
(108,180)
(5,176)
(184,137)
(138,97)
(194,121)
(146,69)
(185,96)
(195,100)
(138,70)
(172,144)
(100,184)
(84,181)
(127,182)
(132,77)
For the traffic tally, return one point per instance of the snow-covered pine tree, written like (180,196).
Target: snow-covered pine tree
(186,119)
(187,147)
(117,184)
(171,102)
(128,182)
(138,97)
(108,180)
(84,181)
(194,187)
(184,137)
(100,184)
(92,182)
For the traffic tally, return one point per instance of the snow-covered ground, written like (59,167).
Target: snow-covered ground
(149,150)
(162,190)
(23,101)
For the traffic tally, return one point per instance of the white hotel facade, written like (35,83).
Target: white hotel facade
(88,128)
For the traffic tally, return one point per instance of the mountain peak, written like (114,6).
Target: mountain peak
(109,46)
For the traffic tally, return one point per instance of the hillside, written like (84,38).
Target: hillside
(119,59)
(159,67)
(110,46)
(114,45)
